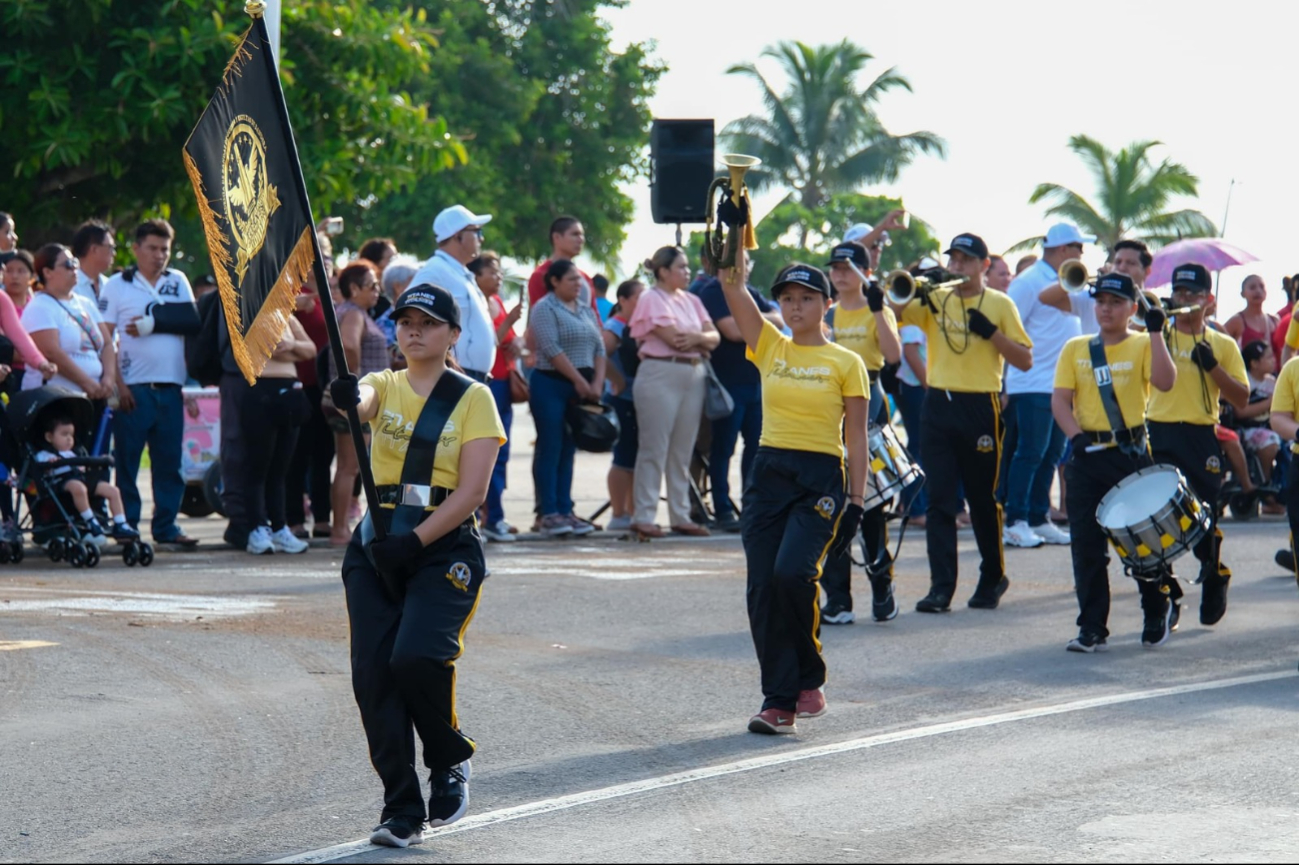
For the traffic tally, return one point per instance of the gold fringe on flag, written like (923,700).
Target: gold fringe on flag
(268,328)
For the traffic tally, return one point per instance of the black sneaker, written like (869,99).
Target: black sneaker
(1087,642)
(934,603)
(1174,615)
(729,523)
(836,613)
(1285,558)
(1159,614)
(884,607)
(449,799)
(124,532)
(398,832)
(988,600)
(1213,598)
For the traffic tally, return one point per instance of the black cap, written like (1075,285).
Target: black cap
(801,274)
(1193,276)
(1115,283)
(970,244)
(853,252)
(432,300)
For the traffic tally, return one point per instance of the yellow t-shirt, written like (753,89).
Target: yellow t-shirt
(970,363)
(474,417)
(1292,332)
(1285,396)
(803,389)
(857,330)
(1129,363)
(1194,399)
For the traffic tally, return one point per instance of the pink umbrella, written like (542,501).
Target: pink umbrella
(1213,253)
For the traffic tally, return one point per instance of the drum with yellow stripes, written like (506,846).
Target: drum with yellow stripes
(1152,517)
(891,469)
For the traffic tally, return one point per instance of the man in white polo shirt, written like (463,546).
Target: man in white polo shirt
(151,371)
(94,247)
(1131,258)
(459,235)
(1038,441)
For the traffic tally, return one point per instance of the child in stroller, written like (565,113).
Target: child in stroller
(48,428)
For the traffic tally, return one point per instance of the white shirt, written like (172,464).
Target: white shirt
(89,288)
(476,349)
(77,321)
(1084,306)
(1048,327)
(158,358)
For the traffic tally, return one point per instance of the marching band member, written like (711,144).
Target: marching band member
(1105,426)
(797,511)
(970,332)
(412,595)
(1285,407)
(1182,421)
(860,321)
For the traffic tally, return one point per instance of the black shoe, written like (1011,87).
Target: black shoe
(729,523)
(1159,613)
(1285,558)
(449,799)
(1174,615)
(934,603)
(988,600)
(884,607)
(836,613)
(1087,642)
(398,832)
(124,532)
(1213,598)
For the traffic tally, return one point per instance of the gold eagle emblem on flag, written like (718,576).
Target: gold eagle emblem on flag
(250,198)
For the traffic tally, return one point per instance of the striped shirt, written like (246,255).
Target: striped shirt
(560,330)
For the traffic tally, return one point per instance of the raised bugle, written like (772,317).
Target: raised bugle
(1074,276)
(900,286)
(733,229)
(1147,298)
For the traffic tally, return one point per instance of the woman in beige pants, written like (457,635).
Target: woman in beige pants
(675,334)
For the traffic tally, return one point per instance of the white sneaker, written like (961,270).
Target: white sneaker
(260,541)
(618,524)
(1020,535)
(498,532)
(1051,534)
(284,541)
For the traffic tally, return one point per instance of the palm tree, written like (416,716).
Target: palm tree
(822,135)
(1134,195)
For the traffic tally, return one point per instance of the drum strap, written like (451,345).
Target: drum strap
(422,449)
(1105,384)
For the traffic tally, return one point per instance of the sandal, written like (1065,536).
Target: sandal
(691,529)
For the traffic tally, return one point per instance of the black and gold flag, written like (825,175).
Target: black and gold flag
(244,166)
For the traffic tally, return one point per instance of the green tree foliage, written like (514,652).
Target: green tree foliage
(792,232)
(1132,200)
(98,97)
(820,134)
(552,118)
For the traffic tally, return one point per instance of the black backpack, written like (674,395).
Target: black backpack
(628,353)
(203,349)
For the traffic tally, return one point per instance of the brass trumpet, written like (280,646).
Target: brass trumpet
(900,286)
(732,212)
(1147,299)
(1074,276)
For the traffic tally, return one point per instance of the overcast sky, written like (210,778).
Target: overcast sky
(1007,83)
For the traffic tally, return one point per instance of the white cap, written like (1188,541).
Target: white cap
(1063,234)
(454,220)
(857,232)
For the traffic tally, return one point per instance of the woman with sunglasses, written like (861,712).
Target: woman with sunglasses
(67,329)
(16,345)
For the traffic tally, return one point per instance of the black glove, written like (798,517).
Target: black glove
(889,381)
(1203,355)
(981,325)
(874,297)
(345,391)
(395,554)
(848,525)
(1078,445)
(1155,318)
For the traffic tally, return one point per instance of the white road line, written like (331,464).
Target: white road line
(575,800)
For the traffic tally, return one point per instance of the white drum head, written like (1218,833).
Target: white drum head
(1137,498)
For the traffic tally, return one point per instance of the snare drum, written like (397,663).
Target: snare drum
(1152,517)
(891,469)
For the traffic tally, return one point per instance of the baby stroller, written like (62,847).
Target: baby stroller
(51,518)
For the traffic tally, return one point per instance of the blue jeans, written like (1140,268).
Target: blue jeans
(552,461)
(1039,444)
(915,498)
(745,421)
(158,421)
(496,487)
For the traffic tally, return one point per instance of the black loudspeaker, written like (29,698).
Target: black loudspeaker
(681,168)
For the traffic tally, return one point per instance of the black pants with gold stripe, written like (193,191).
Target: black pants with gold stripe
(792,503)
(1194,449)
(1290,497)
(403,661)
(961,441)
(837,580)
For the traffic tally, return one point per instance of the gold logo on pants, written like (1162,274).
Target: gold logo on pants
(460,575)
(985,445)
(1213,465)
(826,507)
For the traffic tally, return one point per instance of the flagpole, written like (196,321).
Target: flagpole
(256,8)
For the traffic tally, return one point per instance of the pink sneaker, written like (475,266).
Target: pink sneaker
(772,721)
(811,704)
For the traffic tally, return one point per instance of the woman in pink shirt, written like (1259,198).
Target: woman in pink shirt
(675,334)
(17,269)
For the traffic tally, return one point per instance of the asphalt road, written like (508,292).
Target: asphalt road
(201,710)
